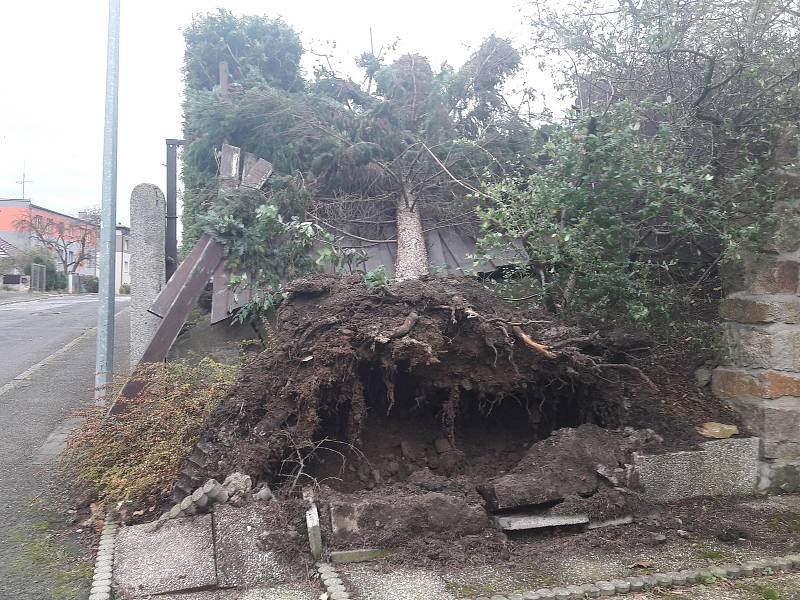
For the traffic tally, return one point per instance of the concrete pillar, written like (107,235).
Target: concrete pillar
(148,227)
(760,377)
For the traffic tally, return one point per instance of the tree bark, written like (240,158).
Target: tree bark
(412,254)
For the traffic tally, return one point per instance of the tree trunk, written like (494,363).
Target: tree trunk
(412,254)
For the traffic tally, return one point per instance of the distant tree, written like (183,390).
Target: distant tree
(71,241)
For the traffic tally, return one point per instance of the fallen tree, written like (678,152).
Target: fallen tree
(443,351)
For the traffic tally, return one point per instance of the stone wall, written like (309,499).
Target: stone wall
(760,374)
(148,229)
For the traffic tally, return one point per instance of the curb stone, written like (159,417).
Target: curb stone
(332,582)
(685,578)
(103,566)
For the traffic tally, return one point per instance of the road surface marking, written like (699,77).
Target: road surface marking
(26,374)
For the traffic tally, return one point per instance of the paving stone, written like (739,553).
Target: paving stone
(400,584)
(240,562)
(177,556)
(782,565)
(547,594)
(746,569)
(206,595)
(678,578)
(278,592)
(606,588)
(575,591)
(732,571)
(637,584)
(622,586)
(591,590)
(498,597)
(561,592)
(531,596)
(331,581)
(718,572)
(720,468)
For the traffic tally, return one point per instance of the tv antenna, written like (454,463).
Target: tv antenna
(23,181)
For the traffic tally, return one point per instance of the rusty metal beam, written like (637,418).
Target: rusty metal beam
(211,255)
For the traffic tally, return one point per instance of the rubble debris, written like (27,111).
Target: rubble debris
(522,521)
(386,519)
(570,463)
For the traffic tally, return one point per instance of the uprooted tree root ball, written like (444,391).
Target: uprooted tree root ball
(351,370)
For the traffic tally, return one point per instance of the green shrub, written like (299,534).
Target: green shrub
(125,289)
(91,284)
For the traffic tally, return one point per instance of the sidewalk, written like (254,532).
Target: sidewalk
(218,553)
(38,559)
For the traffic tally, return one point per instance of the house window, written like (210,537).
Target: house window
(125,267)
(37,222)
(124,245)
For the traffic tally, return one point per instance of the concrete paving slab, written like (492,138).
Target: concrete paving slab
(281,592)
(178,556)
(240,562)
(402,584)
(206,595)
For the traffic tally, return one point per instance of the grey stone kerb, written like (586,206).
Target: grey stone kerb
(148,227)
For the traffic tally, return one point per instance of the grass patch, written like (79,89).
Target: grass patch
(764,591)
(785,523)
(137,455)
(712,554)
(55,568)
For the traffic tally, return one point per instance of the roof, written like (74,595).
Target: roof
(7,248)
(49,210)
(450,248)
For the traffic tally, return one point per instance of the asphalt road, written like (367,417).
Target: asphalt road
(32,331)
(38,559)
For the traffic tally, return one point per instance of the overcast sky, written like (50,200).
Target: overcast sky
(53,79)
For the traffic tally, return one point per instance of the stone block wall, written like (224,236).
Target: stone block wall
(760,374)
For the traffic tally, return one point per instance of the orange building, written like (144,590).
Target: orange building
(19,219)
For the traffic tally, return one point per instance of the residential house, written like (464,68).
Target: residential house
(20,219)
(122,257)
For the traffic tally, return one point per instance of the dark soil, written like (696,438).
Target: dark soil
(407,400)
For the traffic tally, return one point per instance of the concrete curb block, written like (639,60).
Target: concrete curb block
(104,563)
(636,583)
(331,581)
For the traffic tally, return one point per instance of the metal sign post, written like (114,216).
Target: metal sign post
(104,364)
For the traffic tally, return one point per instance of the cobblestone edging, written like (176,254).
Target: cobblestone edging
(770,566)
(332,582)
(103,566)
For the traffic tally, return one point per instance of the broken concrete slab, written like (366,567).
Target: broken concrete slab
(175,557)
(561,466)
(719,468)
(616,522)
(314,531)
(240,562)
(354,556)
(205,595)
(427,512)
(521,521)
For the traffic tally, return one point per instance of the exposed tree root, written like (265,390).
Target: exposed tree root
(460,360)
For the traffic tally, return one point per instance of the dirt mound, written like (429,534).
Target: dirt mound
(428,365)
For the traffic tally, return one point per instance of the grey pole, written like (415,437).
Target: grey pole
(105,317)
